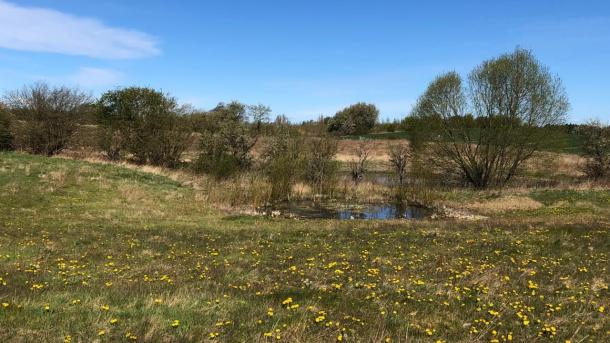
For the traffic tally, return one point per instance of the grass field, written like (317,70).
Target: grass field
(99,253)
(558,140)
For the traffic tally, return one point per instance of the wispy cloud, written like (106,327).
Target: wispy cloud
(47,30)
(96,77)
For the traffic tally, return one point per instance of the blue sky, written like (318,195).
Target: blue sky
(302,58)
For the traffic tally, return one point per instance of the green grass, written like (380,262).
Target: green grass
(84,244)
(572,197)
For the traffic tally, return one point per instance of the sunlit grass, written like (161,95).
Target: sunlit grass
(92,252)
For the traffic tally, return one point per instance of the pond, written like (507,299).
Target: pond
(311,210)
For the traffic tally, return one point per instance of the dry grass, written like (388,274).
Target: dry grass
(503,204)
(555,164)
(73,260)
(378,150)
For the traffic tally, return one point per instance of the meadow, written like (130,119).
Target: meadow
(99,252)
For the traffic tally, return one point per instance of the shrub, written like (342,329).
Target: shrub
(144,122)
(359,166)
(282,160)
(596,148)
(226,141)
(6,136)
(356,119)
(320,165)
(400,156)
(50,115)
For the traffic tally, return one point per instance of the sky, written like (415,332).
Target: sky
(302,58)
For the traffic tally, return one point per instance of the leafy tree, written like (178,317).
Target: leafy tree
(50,115)
(226,140)
(259,116)
(6,136)
(484,133)
(356,119)
(596,148)
(144,122)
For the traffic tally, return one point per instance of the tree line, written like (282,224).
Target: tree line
(479,131)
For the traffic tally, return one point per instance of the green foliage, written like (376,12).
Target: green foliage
(144,122)
(571,197)
(357,119)
(163,242)
(320,164)
(596,147)
(6,136)
(483,134)
(282,160)
(50,115)
(226,140)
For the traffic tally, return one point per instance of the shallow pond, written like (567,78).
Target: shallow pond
(347,212)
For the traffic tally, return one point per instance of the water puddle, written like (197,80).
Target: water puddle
(311,210)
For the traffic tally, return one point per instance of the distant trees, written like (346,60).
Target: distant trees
(145,123)
(356,119)
(596,148)
(483,133)
(227,139)
(6,136)
(50,115)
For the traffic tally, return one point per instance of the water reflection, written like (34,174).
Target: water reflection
(385,211)
(310,210)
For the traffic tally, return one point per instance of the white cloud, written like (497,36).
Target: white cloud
(47,30)
(96,77)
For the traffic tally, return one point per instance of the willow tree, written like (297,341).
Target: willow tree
(484,131)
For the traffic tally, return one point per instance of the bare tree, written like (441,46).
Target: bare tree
(50,115)
(359,165)
(485,133)
(400,156)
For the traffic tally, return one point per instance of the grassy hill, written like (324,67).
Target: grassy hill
(96,252)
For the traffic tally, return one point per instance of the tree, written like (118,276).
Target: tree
(6,136)
(357,119)
(320,165)
(485,133)
(50,115)
(359,166)
(144,122)
(400,156)
(596,148)
(259,115)
(226,140)
(282,159)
